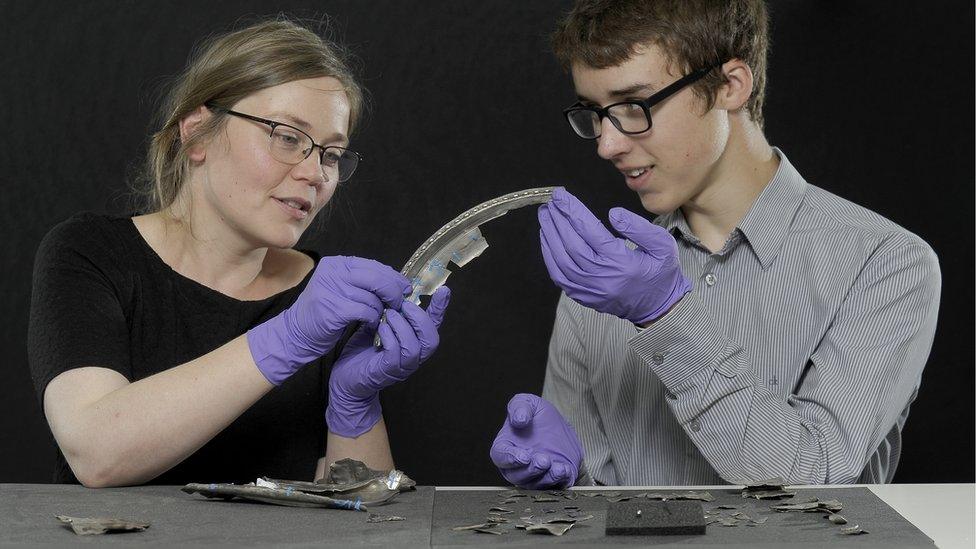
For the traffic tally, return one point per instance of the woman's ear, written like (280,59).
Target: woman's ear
(735,93)
(189,125)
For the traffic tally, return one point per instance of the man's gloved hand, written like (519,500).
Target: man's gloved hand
(342,291)
(408,338)
(599,271)
(536,447)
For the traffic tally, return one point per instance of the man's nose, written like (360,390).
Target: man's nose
(611,142)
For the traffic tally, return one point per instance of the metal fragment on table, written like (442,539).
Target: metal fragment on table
(90,526)
(373,517)
(473,526)
(276,496)
(853,530)
(836,519)
(550,528)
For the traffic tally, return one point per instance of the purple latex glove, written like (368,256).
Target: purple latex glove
(536,447)
(342,291)
(408,338)
(599,271)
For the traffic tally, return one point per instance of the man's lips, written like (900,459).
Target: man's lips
(637,177)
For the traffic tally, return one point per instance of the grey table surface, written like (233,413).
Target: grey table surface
(27,517)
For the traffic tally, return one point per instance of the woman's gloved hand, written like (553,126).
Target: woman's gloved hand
(342,291)
(408,338)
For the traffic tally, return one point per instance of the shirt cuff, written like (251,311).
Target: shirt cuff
(682,343)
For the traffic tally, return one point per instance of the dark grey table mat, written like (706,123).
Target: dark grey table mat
(27,517)
(887,528)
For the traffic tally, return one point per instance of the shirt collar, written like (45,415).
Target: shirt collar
(766,224)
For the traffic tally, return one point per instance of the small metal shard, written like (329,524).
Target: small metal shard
(570,495)
(768,484)
(571,507)
(836,519)
(853,530)
(494,531)
(500,510)
(665,496)
(474,526)
(553,529)
(373,517)
(811,506)
(544,499)
(497,519)
(726,507)
(728,521)
(769,494)
(87,526)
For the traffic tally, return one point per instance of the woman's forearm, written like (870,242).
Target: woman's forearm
(138,431)
(371,447)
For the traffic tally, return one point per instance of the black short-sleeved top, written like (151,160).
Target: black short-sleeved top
(102,297)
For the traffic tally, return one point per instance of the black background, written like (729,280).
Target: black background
(869,101)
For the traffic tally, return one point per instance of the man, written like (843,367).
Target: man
(763,327)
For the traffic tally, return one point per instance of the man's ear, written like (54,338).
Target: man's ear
(735,93)
(189,125)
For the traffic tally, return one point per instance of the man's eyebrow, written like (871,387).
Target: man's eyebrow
(645,88)
(641,89)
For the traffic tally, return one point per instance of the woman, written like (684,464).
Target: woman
(171,347)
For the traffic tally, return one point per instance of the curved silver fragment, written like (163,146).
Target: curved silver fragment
(460,240)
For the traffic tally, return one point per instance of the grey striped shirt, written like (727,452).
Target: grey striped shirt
(796,355)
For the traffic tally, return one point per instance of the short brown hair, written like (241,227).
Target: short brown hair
(225,69)
(693,34)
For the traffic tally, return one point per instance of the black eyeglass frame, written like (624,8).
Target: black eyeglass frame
(274,124)
(645,105)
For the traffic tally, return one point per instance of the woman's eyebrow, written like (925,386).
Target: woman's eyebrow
(294,120)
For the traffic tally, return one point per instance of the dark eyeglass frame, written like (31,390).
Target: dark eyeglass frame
(275,124)
(645,105)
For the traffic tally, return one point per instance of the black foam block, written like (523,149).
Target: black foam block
(655,518)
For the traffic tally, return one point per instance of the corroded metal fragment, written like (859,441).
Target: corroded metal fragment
(85,526)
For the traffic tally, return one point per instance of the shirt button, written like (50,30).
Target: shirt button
(695,426)
(711,279)
(657,358)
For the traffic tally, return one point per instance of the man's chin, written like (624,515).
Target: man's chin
(658,203)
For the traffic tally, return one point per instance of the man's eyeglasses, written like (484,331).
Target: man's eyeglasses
(291,145)
(630,117)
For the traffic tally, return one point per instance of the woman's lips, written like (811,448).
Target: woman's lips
(291,210)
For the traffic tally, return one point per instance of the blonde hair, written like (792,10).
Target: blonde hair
(222,71)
